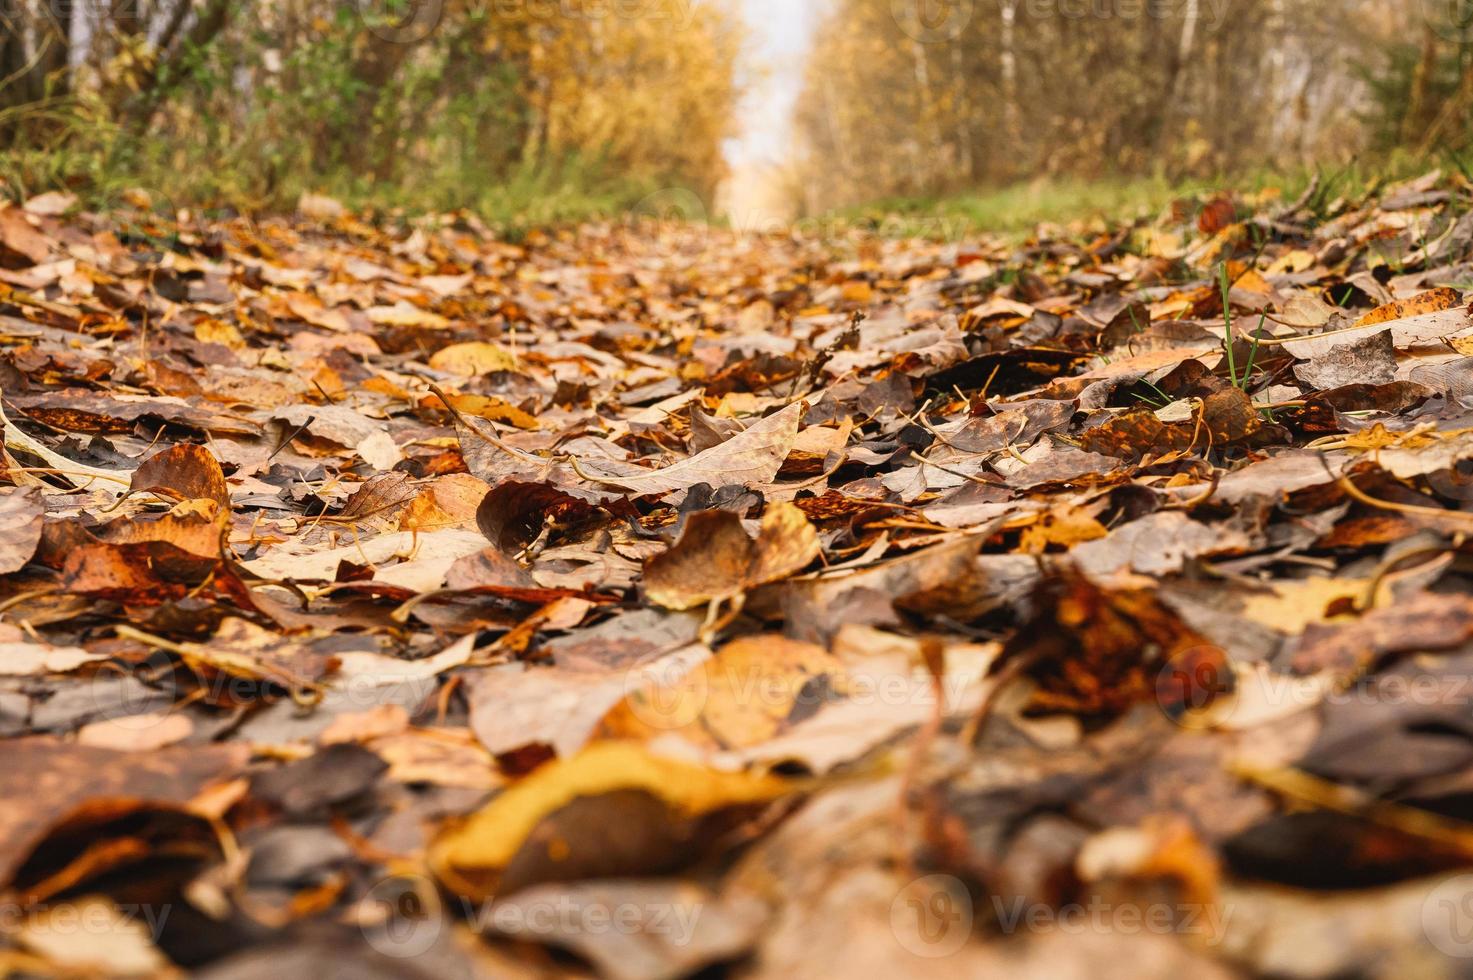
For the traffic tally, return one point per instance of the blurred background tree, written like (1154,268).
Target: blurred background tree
(517,109)
(534,110)
(924,97)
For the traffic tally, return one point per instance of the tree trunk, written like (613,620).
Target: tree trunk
(157,84)
(1420,98)
(1166,112)
(1008,63)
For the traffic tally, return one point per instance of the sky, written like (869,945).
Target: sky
(781,32)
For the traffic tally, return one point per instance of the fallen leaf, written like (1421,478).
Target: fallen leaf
(742,696)
(24,659)
(22,513)
(184,472)
(470,856)
(750,458)
(473,359)
(715,559)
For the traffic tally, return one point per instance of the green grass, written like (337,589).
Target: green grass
(525,199)
(65,148)
(1017,211)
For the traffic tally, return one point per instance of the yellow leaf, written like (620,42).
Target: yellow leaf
(219,332)
(405,315)
(742,696)
(1297,260)
(1292,606)
(450,501)
(1432,301)
(495,409)
(1252,282)
(1064,526)
(468,856)
(472,359)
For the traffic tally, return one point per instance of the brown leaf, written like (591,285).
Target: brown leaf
(1428,621)
(715,559)
(613,809)
(76,411)
(472,359)
(942,579)
(1224,417)
(18,236)
(193,526)
(149,571)
(1097,652)
(512,514)
(744,695)
(48,783)
(22,514)
(451,501)
(1368,361)
(183,472)
(750,458)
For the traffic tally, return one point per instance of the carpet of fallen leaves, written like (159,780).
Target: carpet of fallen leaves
(646,601)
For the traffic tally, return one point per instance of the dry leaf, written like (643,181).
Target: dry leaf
(751,458)
(715,559)
(22,513)
(469,857)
